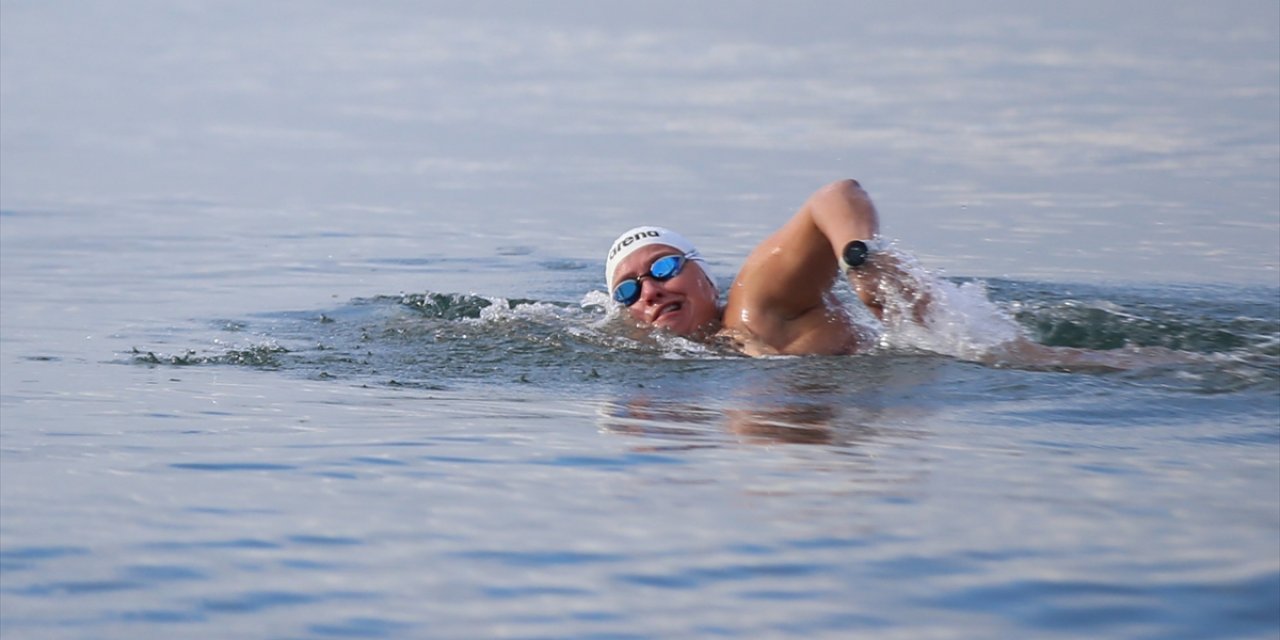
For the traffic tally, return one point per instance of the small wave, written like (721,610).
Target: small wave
(960,320)
(263,356)
(434,340)
(1027,324)
(438,305)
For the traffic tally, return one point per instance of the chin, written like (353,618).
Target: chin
(681,326)
(685,323)
(688,328)
(675,328)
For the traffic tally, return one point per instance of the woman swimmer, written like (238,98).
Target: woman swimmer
(782,301)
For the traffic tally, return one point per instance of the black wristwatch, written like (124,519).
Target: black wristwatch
(854,255)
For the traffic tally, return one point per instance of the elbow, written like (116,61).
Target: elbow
(840,191)
(845,186)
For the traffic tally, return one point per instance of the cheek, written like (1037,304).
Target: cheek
(704,296)
(707,290)
(636,312)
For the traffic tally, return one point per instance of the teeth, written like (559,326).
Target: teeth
(674,306)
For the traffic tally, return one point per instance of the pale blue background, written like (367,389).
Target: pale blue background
(1085,140)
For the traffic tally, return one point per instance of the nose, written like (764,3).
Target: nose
(651,290)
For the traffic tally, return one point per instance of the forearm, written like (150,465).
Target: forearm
(843,212)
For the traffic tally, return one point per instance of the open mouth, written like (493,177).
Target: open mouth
(666,310)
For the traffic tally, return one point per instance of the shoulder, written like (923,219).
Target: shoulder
(825,329)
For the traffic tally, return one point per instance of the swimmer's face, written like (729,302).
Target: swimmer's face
(684,305)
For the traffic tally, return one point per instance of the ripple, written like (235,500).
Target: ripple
(541,558)
(254,601)
(161,616)
(1084,605)
(697,577)
(40,553)
(363,627)
(78,587)
(163,573)
(513,593)
(24,558)
(232,466)
(616,463)
(326,541)
(234,543)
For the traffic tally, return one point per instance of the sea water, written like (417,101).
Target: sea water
(304,336)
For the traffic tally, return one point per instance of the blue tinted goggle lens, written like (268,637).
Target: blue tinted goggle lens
(628,291)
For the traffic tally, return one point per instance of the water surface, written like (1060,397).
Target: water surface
(302,334)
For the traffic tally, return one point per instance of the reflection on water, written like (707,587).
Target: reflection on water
(795,424)
(828,401)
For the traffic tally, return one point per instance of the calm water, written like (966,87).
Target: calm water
(302,334)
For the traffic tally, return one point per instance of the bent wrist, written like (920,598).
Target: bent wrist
(856,253)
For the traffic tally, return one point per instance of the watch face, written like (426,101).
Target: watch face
(855,253)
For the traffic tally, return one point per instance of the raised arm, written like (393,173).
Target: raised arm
(842,212)
(782,296)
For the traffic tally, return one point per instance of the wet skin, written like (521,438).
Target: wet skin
(781,301)
(685,305)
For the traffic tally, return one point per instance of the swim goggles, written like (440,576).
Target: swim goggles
(665,268)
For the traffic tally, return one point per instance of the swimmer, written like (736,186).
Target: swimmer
(782,301)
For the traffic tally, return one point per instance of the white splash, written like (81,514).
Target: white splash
(923,311)
(501,310)
(960,320)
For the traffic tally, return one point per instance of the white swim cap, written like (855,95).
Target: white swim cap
(627,243)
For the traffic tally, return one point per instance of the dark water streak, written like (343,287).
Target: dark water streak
(436,340)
